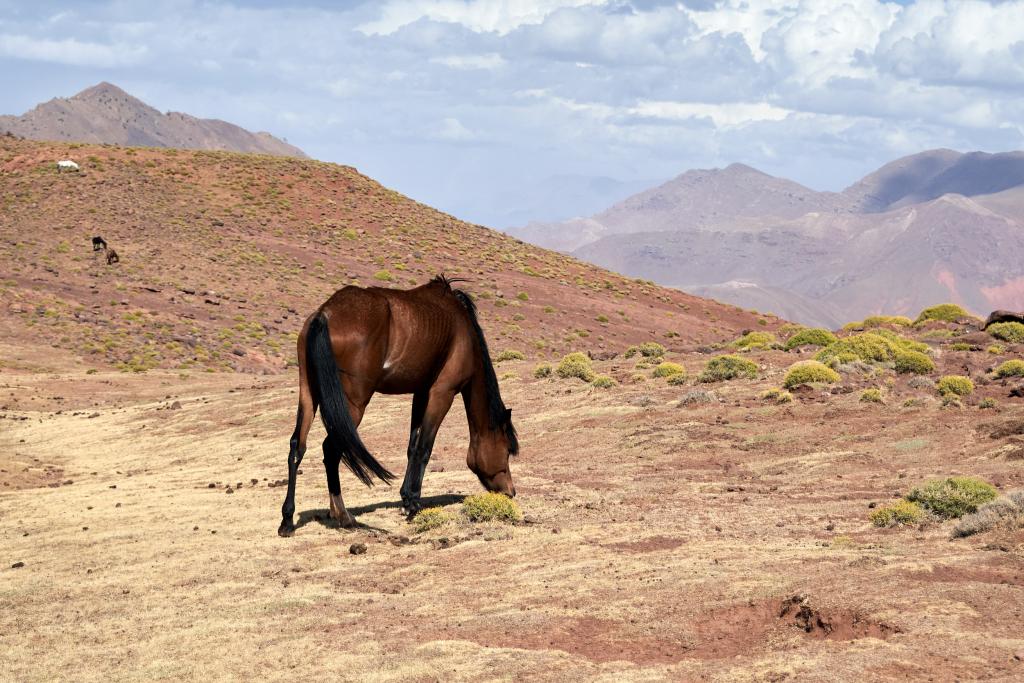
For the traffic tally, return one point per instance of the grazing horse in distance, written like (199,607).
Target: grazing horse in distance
(112,257)
(424,341)
(99,244)
(1002,317)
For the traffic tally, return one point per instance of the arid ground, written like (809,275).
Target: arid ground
(719,541)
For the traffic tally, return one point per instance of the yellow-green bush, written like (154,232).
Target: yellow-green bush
(488,507)
(902,342)
(727,367)
(867,346)
(913,362)
(649,350)
(543,370)
(667,369)
(899,513)
(949,313)
(777,396)
(879,320)
(810,336)
(871,396)
(431,518)
(602,382)
(754,340)
(576,365)
(953,496)
(807,372)
(1011,368)
(1012,332)
(510,354)
(677,380)
(955,385)
(996,349)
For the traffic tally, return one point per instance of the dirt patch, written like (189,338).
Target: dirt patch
(24,473)
(647,545)
(947,574)
(742,629)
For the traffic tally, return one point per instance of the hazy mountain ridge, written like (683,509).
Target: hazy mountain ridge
(105,113)
(932,227)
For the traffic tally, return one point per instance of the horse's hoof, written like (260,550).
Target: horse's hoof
(286,530)
(349,523)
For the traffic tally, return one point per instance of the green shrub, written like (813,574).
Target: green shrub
(601,318)
(651,350)
(996,349)
(871,396)
(576,365)
(631,351)
(810,336)
(677,380)
(754,340)
(903,343)
(667,369)
(899,513)
(913,362)
(726,367)
(1011,332)
(953,496)
(879,320)
(1011,368)
(431,518)
(523,296)
(602,382)
(383,275)
(806,372)
(543,370)
(955,385)
(1006,512)
(949,313)
(987,404)
(960,346)
(488,507)
(777,396)
(510,354)
(867,346)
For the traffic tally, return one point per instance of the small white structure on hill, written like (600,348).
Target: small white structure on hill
(66,165)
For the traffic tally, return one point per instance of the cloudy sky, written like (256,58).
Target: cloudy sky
(507,110)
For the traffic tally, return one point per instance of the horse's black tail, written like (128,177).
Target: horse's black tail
(328,392)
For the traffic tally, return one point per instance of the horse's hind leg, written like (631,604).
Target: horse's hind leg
(332,459)
(297,449)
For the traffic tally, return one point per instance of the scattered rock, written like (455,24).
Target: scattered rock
(17,565)
(357,548)
(175,406)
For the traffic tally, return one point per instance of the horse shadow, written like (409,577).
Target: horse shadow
(322,516)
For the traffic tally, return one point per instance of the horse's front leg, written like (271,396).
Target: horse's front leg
(420,447)
(419,406)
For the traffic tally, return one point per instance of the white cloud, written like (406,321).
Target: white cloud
(726,115)
(476,15)
(70,51)
(491,60)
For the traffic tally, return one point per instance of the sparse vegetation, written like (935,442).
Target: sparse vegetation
(647,350)
(509,354)
(949,313)
(576,365)
(431,518)
(954,496)
(667,369)
(602,382)
(754,340)
(542,370)
(900,513)
(728,367)
(1005,512)
(777,396)
(955,385)
(913,362)
(1010,368)
(1012,332)
(384,276)
(871,396)
(809,372)
(491,507)
(810,336)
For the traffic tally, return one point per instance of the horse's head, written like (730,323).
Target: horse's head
(489,453)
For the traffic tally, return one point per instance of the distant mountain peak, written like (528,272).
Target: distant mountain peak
(105,113)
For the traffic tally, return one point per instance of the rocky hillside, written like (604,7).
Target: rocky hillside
(106,114)
(223,255)
(938,226)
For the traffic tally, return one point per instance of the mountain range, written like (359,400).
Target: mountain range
(104,113)
(932,227)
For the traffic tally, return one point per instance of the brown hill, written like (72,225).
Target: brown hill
(223,255)
(106,114)
(933,227)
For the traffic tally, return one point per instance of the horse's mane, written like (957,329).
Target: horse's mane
(496,411)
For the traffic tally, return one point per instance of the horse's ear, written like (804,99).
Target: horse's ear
(508,414)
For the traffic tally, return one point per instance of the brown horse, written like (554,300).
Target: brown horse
(424,341)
